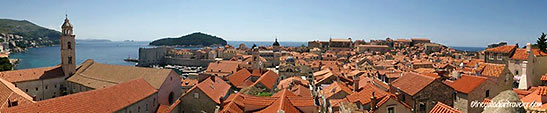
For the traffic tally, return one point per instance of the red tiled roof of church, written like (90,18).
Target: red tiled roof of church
(100,100)
(10,93)
(32,74)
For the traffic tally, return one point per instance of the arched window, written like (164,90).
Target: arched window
(69,45)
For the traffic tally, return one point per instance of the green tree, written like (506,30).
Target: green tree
(541,44)
(5,64)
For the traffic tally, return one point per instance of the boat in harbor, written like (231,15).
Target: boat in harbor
(129,59)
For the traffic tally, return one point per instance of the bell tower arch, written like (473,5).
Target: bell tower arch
(68,50)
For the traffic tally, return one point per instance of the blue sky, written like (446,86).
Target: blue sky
(455,23)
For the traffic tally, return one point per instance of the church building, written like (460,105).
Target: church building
(140,89)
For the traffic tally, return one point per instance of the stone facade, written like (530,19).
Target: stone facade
(197,101)
(463,101)
(68,49)
(394,105)
(372,48)
(42,89)
(152,56)
(423,101)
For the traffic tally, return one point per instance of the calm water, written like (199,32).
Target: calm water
(103,52)
(115,52)
(472,49)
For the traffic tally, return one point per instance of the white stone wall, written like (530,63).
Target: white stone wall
(42,89)
(76,88)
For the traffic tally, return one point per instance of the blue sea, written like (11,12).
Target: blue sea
(470,49)
(104,52)
(114,52)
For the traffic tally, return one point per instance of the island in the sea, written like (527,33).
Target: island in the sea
(196,39)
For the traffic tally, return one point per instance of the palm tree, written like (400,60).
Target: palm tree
(542,45)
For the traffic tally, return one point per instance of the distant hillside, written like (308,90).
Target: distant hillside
(30,31)
(194,39)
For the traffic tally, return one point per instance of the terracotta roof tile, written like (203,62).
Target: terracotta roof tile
(537,52)
(238,78)
(502,49)
(425,70)
(392,96)
(282,103)
(364,95)
(301,91)
(32,74)
(492,70)
(222,68)
(334,88)
(522,93)
(443,108)
(543,77)
(283,100)
(10,93)
(256,72)
(99,101)
(467,83)
(233,104)
(542,91)
(538,96)
(188,82)
(214,87)
(268,79)
(168,108)
(474,62)
(411,83)
(96,75)
(285,83)
(520,54)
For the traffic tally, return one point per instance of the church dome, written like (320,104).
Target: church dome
(276,43)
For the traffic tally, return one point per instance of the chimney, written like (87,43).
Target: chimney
(356,80)
(372,102)
(528,47)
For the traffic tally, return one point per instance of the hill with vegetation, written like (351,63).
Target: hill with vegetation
(192,40)
(32,34)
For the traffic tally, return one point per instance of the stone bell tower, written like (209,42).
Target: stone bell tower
(68,52)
